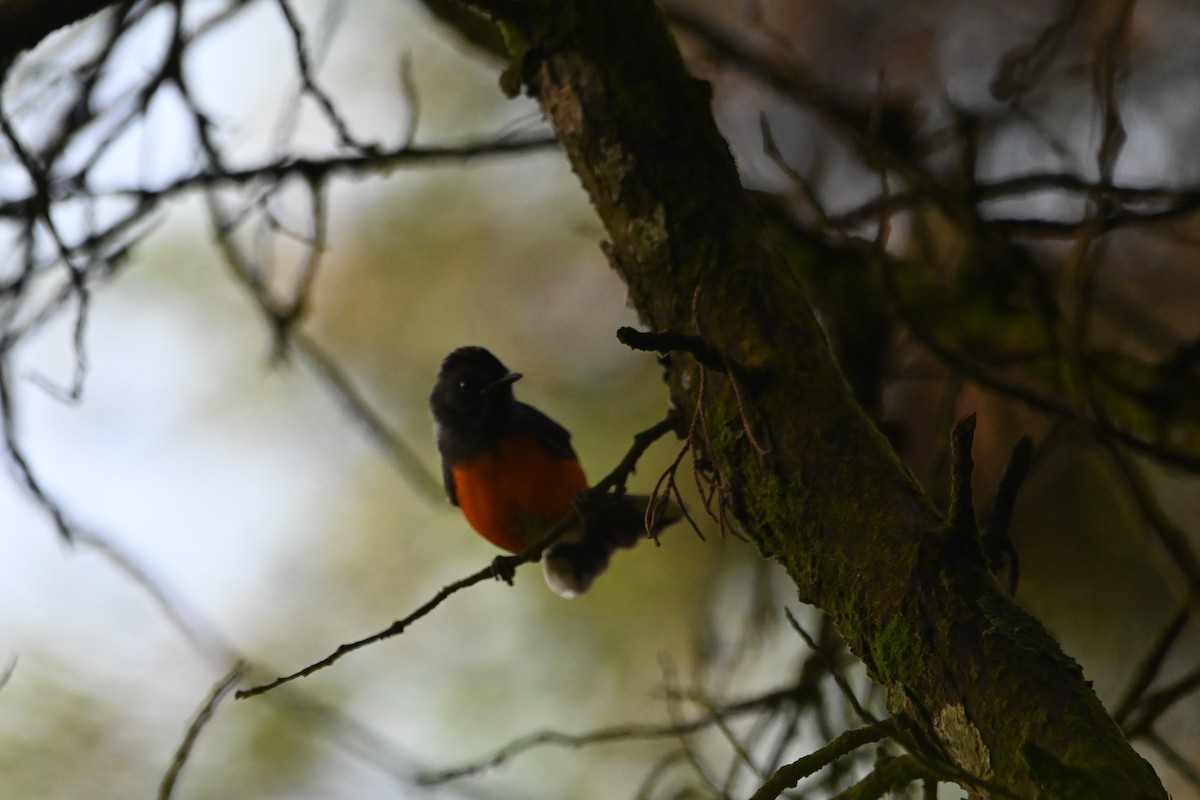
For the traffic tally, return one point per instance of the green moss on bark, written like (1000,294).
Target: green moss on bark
(795,460)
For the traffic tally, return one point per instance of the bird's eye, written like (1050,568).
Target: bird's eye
(463,384)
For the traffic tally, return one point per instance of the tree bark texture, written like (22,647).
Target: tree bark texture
(795,462)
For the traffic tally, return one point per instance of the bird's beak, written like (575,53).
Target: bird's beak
(507,380)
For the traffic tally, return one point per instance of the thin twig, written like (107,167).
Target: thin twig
(502,567)
(1151,665)
(399,626)
(838,678)
(789,775)
(7,673)
(203,715)
(610,735)
(997,543)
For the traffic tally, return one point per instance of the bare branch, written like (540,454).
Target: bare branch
(502,567)
(713,715)
(787,777)
(205,713)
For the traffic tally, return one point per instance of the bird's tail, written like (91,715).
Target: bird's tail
(610,523)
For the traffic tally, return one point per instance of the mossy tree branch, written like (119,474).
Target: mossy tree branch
(987,687)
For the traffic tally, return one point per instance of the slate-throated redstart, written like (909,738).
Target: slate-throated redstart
(513,472)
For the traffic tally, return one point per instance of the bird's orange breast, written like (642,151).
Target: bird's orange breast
(513,492)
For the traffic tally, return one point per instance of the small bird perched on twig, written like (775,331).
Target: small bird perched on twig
(513,472)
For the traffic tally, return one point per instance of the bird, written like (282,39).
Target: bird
(514,474)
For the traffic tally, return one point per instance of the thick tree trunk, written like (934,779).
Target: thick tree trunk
(795,462)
